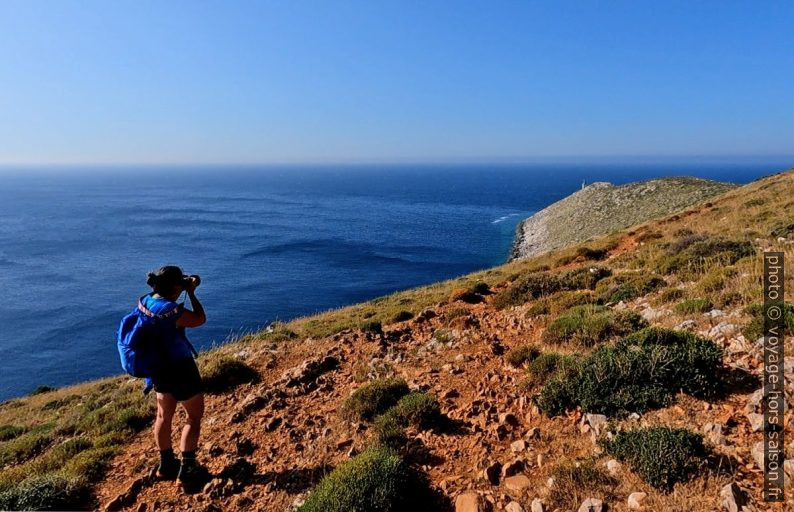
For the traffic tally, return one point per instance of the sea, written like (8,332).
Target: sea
(270,243)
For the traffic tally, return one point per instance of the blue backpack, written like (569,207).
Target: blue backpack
(138,340)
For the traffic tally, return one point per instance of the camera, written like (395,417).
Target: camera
(186,280)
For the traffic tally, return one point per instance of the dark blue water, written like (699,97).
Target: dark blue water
(270,243)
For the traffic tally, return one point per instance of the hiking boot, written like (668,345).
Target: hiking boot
(192,475)
(168,469)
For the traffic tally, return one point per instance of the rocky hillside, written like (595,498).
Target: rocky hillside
(601,208)
(622,373)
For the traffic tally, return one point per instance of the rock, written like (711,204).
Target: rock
(596,422)
(245,447)
(514,506)
(426,314)
(492,472)
(715,313)
(537,506)
(471,502)
(592,505)
(686,325)
(613,467)
(635,500)
(758,454)
(517,483)
(756,421)
(533,433)
(309,370)
(449,394)
(519,446)
(214,488)
(733,498)
(273,424)
(508,418)
(713,432)
(513,468)
(788,468)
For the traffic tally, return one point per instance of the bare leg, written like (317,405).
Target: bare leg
(194,407)
(166,405)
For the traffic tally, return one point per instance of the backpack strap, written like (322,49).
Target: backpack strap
(143,309)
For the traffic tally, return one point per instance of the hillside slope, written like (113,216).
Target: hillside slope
(601,208)
(508,355)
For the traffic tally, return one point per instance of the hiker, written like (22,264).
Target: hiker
(175,375)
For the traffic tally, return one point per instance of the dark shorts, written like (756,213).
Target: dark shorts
(179,378)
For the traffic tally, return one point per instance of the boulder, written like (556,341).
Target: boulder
(635,500)
(592,505)
(471,502)
(732,497)
(514,506)
(537,506)
(517,483)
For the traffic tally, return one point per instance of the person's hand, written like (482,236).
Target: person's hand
(190,284)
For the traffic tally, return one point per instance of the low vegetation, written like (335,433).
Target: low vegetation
(541,284)
(577,481)
(416,409)
(521,355)
(642,371)
(560,301)
(377,480)
(662,456)
(755,329)
(692,306)
(224,373)
(696,253)
(374,398)
(588,325)
(546,365)
(627,286)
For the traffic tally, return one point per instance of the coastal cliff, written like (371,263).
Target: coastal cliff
(601,208)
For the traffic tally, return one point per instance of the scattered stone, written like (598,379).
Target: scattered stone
(533,433)
(686,325)
(451,393)
(513,468)
(492,472)
(758,454)
(635,500)
(309,370)
(471,502)
(592,505)
(273,424)
(715,313)
(733,498)
(537,506)
(596,422)
(517,483)
(713,432)
(514,506)
(613,467)
(519,446)
(214,488)
(756,421)
(508,418)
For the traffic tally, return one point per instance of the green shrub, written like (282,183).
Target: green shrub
(589,325)
(90,464)
(691,306)
(225,373)
(372,327)
(584,278)
(574,483)
(547,364)
(481,288)
(695,254)
(520,355)
(527,287)
(455,313)
(416,409)
(669,295)
(389,433)
(24,447)
(662,456)
(276,332)
(41,389)
(541,284)
(8,432)
(374,398)
(627,286)
(561,301)
(402,316)
(377,480)
(47,492)
(70,448)
(755,329)
(641,372)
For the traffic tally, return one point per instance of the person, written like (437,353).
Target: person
(176,378)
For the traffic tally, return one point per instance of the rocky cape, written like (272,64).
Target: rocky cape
(602,208)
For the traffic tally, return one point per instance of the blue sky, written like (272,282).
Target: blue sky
(350,81)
